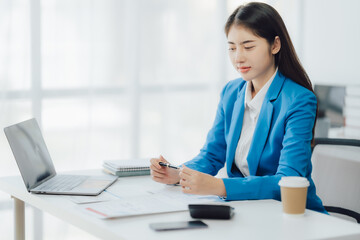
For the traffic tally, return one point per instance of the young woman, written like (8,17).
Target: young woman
(264,122)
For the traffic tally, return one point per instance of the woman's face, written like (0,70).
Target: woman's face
(252,56)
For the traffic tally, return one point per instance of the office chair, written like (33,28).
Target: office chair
(336,174)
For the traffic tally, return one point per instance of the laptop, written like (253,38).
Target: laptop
(37,168)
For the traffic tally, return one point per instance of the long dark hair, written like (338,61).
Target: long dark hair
(264,21)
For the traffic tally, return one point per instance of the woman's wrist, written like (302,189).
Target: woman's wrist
(220,188)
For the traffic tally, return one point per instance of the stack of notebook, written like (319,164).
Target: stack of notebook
(124,168)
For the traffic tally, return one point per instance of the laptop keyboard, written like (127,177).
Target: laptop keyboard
(61,183)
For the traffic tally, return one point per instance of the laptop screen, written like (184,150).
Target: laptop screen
(30,152)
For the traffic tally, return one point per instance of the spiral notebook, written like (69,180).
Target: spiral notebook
(124,168)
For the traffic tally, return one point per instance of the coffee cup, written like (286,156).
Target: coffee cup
(293,195)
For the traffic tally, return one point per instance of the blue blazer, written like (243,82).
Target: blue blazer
(281,145)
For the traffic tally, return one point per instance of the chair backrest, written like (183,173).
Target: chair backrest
(336,172)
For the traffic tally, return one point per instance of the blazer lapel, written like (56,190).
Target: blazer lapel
(235,128)
(263,125)
(260,136)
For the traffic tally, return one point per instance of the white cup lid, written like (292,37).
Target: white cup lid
(296,182)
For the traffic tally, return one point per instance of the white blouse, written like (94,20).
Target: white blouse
(251,114)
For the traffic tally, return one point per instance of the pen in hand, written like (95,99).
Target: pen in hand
(168,165)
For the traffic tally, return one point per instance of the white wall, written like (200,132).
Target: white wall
(331,41)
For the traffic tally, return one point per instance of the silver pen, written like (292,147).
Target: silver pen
(168,165)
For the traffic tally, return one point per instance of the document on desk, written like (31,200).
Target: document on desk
(166,200)
(104,196)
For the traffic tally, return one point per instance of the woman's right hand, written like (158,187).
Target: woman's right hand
(163,174)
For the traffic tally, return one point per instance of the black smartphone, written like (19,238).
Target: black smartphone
(166,226)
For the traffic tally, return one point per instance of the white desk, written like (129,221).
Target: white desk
(252,220)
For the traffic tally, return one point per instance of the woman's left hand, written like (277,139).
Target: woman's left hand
(196,182)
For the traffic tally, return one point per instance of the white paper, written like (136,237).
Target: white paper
(168,199)
(104,196)
(170,193)
(133,206)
